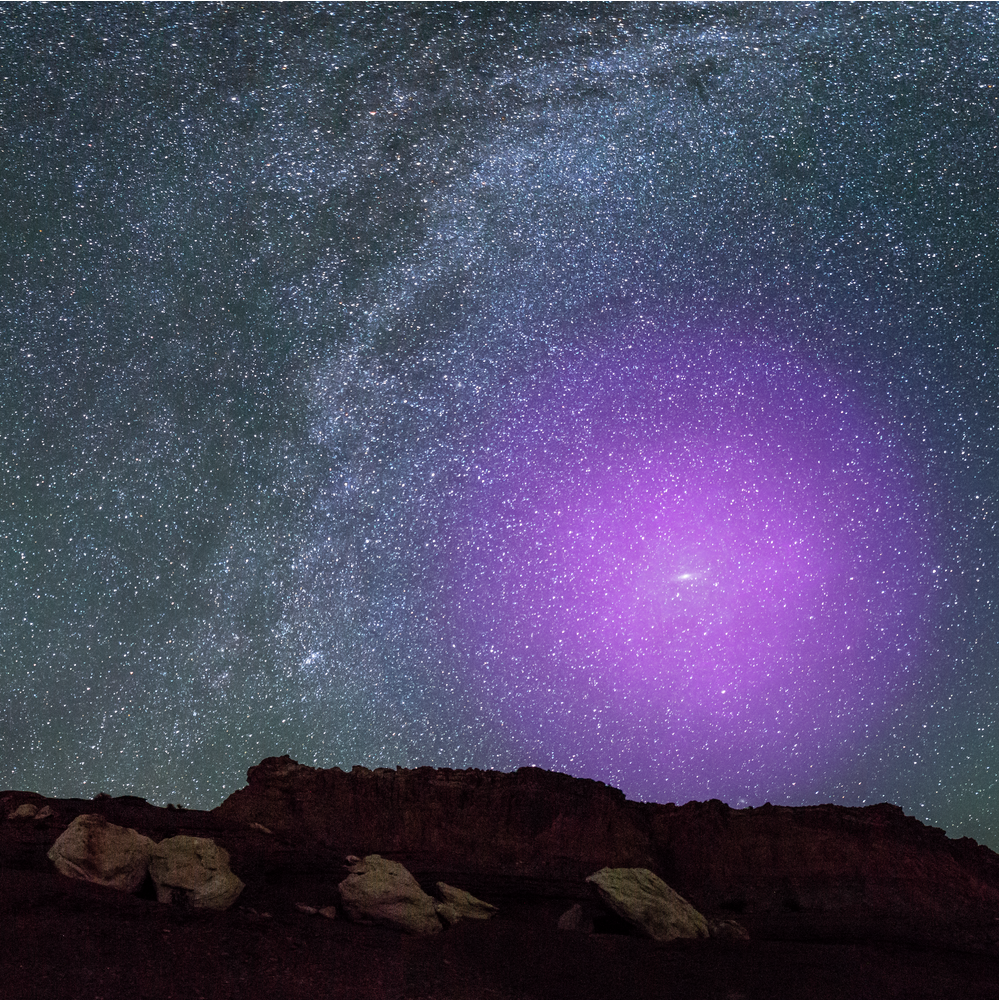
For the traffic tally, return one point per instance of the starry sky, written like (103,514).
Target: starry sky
(606,388)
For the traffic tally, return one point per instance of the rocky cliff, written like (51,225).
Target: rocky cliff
(532,822)
(836,901)
(809,870)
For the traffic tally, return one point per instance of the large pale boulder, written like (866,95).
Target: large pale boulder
(457,904)
(94,850)
(194,871)
(380,891)
(648,903)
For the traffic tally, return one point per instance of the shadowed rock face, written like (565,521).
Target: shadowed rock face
(821,859)
(533,822)
(815,866)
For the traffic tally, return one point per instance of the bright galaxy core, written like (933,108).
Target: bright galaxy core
(714,543)
(606,388)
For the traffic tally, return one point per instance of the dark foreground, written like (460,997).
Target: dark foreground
(61,938)
(64,939)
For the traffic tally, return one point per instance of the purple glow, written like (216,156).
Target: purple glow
(706,564)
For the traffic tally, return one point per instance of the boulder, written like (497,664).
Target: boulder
(728,930)
(46,812)
(26,810)
(576,919)
(648,903)
(194,871)
(380,891)
(457,904)
(94,850)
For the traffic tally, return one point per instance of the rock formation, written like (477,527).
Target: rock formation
(193,871)
(648,903)
(577,920)
(380,891)
(457,904)
(829,900)
(26,810)
(728,930)
(815,861)
(531,821)
(95,850)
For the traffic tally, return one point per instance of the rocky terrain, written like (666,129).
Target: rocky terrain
(834,901)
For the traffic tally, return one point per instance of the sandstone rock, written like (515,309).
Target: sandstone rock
(754,862)
(26,810)
(329,912)
(766,861)
(94,850)
(532,821)
(826,871)
(305,908)
(46,812)
(648,903)
(576,919)
(195,871)
(728,930)
(457,904)
(383,892)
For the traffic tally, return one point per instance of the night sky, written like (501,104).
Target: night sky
(607,388)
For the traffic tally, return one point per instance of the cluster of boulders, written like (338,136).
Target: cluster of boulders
(821,870)
(195,872)
(192,871)
(380,891)
(28,810)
